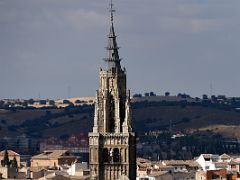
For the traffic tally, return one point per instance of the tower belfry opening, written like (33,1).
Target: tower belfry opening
(112,145)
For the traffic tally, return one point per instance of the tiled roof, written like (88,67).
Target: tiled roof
(142,169)
(10,153)
(142,160)
(232,162)
(157,173)
(36,169)
(184,175)
(54,154)
(192,163)
(171,163)
(225,156)
(174,162)
(221,165)
(214,157)
(161,166)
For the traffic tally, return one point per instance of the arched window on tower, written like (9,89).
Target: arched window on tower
(116,155)
(105,155)
(112,114)
(122,113)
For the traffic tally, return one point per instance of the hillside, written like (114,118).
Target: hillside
(147,116)
(188,119)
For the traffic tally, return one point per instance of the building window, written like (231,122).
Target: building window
(105,155)
(112,114)
(116,155)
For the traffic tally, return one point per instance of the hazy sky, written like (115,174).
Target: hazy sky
(54,48)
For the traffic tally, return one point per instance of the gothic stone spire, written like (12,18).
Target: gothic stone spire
(112,60)
(112,144)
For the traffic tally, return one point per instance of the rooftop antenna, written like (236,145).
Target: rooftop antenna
(211,89)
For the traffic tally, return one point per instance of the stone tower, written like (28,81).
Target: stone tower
(112,146)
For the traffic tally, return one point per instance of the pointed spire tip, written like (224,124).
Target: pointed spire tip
(112,11)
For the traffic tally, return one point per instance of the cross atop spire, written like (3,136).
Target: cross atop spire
(112,11)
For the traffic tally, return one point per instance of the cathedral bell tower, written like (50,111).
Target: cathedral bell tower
(112,145)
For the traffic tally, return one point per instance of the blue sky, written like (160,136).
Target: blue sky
(54,48)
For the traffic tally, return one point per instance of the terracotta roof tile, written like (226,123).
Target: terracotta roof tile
(10,153)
